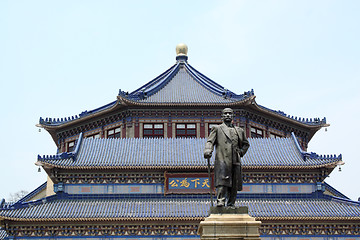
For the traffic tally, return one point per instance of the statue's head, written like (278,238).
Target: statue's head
(227,115)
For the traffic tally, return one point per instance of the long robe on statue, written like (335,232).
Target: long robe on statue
(230,144)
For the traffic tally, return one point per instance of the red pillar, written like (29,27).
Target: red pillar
(169,130)
(123,132)
(137,130)
(202,129)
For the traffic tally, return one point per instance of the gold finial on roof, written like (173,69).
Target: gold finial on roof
(181,49)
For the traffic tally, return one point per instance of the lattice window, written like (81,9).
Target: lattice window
(257,132)
(70,146)
(97,135)
(153,130)
(186,130)
(272,135)
(114,133)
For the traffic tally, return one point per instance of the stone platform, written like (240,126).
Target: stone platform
(229,224)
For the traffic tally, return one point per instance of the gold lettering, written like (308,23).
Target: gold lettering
(196,181)
(205,183)
(184,183)
(173,183)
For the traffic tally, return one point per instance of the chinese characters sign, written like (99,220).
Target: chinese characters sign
(187,183)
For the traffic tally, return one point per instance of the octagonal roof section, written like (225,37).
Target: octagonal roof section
(183,86)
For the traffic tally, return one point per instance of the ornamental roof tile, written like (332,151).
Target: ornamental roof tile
(170,153)
(304,206)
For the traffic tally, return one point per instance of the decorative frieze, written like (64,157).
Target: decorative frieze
(99,178)
(328,229)
(158,177)
(288,177)
(113,229)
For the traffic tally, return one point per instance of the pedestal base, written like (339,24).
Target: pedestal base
(230,224)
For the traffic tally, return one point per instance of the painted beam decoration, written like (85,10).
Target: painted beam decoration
(197,183)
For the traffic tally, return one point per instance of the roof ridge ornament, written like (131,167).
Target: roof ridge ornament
(181,52)
(63,155)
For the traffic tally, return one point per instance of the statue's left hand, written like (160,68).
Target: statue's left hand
(207,154)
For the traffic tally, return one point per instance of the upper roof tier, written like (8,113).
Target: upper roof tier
(181,85)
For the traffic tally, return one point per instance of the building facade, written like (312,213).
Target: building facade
(133,169)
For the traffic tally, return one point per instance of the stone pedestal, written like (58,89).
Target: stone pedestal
(229,224)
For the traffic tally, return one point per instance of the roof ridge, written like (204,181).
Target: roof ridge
(33,193)
(153,86)
(154,80)
(333,190)
(309,121)
(215,87)
(313,155)
(340,199)
(57,121)
(64,155)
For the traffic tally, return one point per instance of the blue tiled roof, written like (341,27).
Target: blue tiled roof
(334,191)
(186,152)
(159,206)
(3,234)
(182,84)
(33,193)
(59,121)
(308,121)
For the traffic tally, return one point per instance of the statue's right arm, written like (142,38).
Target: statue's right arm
(209,146)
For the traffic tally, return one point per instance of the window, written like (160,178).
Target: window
(256,132)
(186,130)
(272,135)
(153,130)
(114,133)
(97,135)
(71,146)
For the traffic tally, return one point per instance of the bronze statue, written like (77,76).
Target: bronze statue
(231,144)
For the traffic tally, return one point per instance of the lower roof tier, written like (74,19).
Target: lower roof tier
(153,153)
(3,233)
(64,207)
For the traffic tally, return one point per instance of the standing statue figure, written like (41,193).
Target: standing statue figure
(231,144)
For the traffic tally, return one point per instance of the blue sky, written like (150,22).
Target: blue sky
(59,58)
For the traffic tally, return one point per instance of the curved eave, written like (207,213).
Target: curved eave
(331,165)
(243,102)
(82,119)
(137,219)
(288,119)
